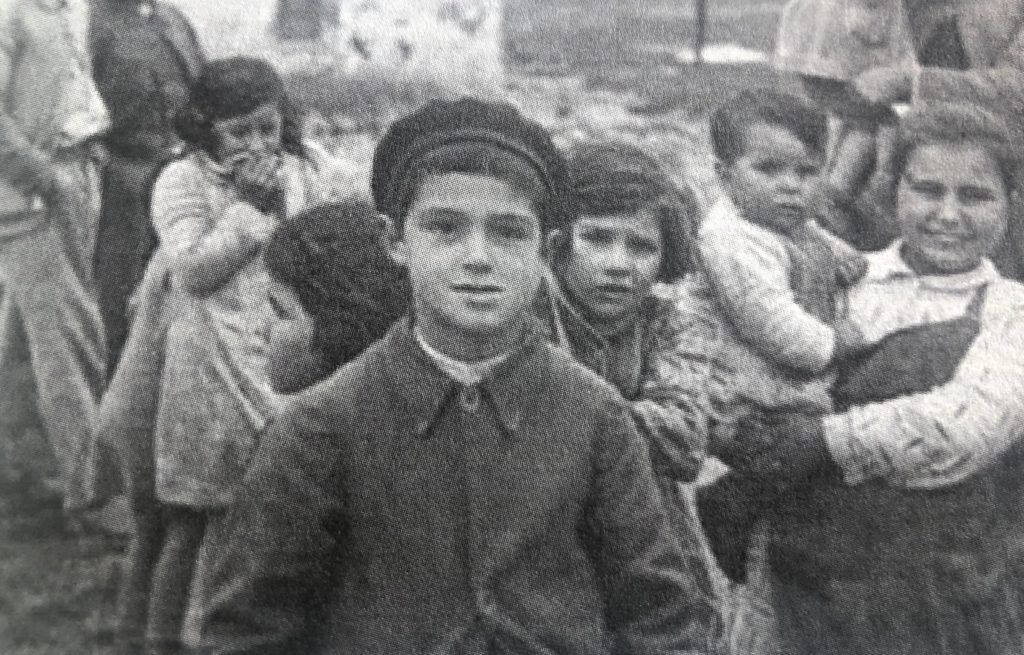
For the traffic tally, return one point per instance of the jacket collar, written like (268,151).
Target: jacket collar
(423,390)
(889,265)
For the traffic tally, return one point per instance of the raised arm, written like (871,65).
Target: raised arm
(942,437)
(751,282)
(279,557)
(206,250)
(656,598)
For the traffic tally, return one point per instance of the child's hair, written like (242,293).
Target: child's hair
(333,256)
(956,123)
(613,178)
(730,122)
(474,137)
(232,87)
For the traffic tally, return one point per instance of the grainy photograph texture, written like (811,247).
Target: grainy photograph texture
(494,327)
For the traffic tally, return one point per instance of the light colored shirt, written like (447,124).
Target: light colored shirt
(465,373)
(85,115)
(941,437)
(748,269)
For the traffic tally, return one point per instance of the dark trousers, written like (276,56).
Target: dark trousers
(126,240)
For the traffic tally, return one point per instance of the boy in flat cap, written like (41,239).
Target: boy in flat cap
(463,486)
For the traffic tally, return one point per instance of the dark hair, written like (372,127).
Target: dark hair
(333,257)
(471,136)
(232,87)
(730,122)
(613,178)
(957,123)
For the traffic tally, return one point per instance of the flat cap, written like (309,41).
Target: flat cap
(442,123)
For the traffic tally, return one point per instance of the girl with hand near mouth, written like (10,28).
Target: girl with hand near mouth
(214,211)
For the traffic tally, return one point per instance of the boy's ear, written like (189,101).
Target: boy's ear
(393,242)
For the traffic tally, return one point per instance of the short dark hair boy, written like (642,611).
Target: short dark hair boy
(461,487)
(729,123)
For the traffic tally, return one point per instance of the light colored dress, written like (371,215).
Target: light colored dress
(215,397)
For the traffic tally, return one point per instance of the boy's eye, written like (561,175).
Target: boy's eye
(642,247)
(598,236)
(445,226)
(268,129)
(511,228)
(974,195)
(768,167)
(807,170)
(928,189)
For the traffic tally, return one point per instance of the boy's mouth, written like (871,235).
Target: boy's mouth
(477,289)
(614,290)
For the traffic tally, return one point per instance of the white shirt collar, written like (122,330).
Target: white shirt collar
(465,373)
(889,264)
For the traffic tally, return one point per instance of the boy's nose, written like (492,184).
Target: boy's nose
(789,182)
(618,261)
(948,210)
(478,254)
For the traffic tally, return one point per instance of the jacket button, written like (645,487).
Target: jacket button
(469,398)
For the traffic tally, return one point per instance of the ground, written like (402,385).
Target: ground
(581,71)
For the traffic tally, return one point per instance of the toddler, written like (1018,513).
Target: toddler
(767,290)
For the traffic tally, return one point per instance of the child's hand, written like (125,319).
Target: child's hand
(851,270)
(259,181)
(850,340)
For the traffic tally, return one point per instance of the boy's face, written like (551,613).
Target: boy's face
(612,262)
(471,244)
(770,182)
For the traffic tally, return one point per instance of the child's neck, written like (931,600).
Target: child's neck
(469,349)
(605,328)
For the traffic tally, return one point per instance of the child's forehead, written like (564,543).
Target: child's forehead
(765,137)
(471,194)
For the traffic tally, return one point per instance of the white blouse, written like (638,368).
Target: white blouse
(941,437)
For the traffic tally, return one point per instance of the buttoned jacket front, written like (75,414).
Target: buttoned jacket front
(393,511)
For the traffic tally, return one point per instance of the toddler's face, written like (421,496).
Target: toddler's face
(471,244)
(612,263)
(770,182)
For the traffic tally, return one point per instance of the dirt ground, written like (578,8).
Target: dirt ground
(57,588)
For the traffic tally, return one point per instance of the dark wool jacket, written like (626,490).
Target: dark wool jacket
(392,511)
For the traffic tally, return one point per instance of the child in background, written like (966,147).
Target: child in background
(828,43)
(762,331)
(213,211)
(335,290)
(773,277)
(462,486)
(633,229)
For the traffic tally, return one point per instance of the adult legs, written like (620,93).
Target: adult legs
(124,244)
(64,333)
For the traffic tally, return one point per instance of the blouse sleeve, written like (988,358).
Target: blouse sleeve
(750,278)
(673,411)
(944,436)
(206,251)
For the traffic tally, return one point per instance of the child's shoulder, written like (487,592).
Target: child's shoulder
(349,396)
(725,233)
